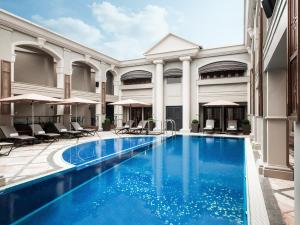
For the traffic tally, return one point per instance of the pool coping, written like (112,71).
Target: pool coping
(256,210)
(59,160)
(66,167)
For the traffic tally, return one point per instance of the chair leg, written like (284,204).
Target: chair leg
(7,154)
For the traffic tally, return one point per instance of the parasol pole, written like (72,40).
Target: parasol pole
(76,112)
(129,113)
(32,117)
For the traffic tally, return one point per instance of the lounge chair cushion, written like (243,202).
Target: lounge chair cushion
(14,135)
(63,130)
(231,127)
(41,132)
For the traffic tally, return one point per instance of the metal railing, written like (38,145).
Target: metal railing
(173,125)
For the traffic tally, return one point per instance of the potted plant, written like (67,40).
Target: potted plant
(151,124)
(246,126)
(106,124)
(195,126)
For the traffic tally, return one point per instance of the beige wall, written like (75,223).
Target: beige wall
(83,79)
(24,110)
(173,94)
(227,92)
(35,68)
(83,111)
(138,94)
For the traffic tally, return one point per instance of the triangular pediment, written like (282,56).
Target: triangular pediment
(171,43)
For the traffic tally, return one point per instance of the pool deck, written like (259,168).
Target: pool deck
(31,161)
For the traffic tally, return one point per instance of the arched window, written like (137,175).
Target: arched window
(222,69)
(173,76)
(34,66)
(83,77)
(136,77)
(109,83)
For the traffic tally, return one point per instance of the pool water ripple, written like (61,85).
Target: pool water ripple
(184,180)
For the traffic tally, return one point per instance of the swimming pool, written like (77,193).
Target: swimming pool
(184,180)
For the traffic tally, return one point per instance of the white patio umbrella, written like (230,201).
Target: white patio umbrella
(131,103)
(221,103)
(32,99)
(76,101)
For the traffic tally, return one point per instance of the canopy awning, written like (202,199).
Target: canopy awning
(29,98)
(223,66)
(76,100)
(175,72)
(221,103)
(136,74)
(130,103)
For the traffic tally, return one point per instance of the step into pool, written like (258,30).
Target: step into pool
(183,180)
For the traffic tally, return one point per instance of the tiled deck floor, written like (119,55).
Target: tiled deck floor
(279,198)
(34,160)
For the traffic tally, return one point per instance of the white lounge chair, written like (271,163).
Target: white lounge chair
(125,128)
(232,126)
(210,126)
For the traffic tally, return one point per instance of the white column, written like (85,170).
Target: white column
(186,93)
(159,93)
(277,162)
(297,171)
(118,110)
(153,97)
(98,106)
(60,83)
(12,79)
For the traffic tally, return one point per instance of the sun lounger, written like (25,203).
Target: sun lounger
(232,126)
(67,133)
(139,128)
(10,133)
(41,134)
(210,126)
(9,145)
(76,126)
(125,128)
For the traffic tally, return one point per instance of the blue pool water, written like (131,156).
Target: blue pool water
(93,152)
(184,180)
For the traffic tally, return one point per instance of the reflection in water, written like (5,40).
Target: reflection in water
(185,166)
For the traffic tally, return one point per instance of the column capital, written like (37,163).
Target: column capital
(185,58)
(158,61)
(13,57)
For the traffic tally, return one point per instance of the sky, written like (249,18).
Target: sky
(125,29)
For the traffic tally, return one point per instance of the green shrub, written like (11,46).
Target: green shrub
(246,122)
(107,120)
(195,121)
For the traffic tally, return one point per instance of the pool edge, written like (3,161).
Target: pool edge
(256,208)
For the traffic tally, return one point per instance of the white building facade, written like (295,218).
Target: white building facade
(176,77)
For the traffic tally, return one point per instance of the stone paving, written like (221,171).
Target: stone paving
(35,160)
